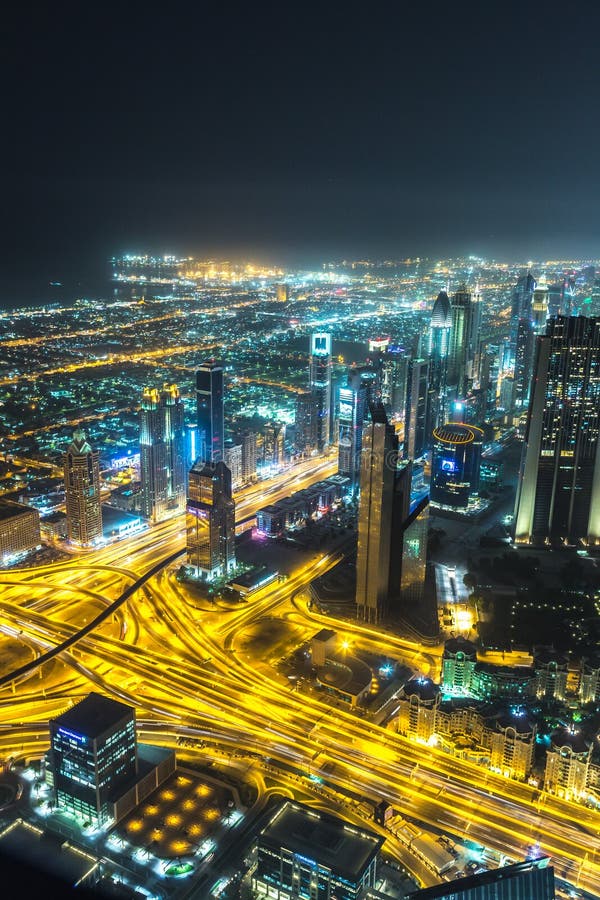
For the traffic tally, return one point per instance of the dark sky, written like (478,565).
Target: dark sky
(298,132)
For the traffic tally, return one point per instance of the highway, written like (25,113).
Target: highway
(180,668)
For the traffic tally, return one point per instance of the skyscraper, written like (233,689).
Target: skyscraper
(320,386)
(438,345)
(417,422)
(455,464)
(558,494)
(211,421)
(162,452)
(210,520)
(377,482)
(351,417)
(394,369)
(82,492)
(521,306)
(305,435)
(460,340)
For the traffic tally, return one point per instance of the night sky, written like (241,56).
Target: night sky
(297,132)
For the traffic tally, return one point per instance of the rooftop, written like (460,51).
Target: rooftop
(93,716)
(10,508)
(457,889)
(322,838)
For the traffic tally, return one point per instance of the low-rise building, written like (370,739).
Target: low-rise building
(418,703)
(19,531)
(567,765)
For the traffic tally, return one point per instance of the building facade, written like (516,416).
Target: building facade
(320,387)
(210,410)
(19,531)
(82,492)
(210,521)
(558,493)
(352,400)
(455,464)
(162,453)
(567,765)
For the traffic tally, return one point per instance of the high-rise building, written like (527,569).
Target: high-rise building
(455,464)
(273,445)
(233,461)
(92,755)
(210,521)
(377,479)
(529,880)
(249,456)
(210,410)
(304,852)
(19,531)
(419,399)
(394,372)
(438,346)
(558,493)
(283,292)
(192,446)
(524,346)
(460,341)
(82,492)
(320,386)
(521,306)
(162,453)
(351,416)
(305,436)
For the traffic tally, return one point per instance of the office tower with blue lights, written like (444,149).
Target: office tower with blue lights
(82,492)
(162,453)
(92,754)
(558,492)
(210,521)
(455,464)
(522,298)
(192,445)
(320,386)
(210,410)
(460,341)
(394,372)
(352,400)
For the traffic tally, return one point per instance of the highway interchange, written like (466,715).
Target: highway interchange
(179,666)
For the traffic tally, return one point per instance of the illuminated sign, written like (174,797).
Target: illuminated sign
(378,344)
(305,859)
(448,465)
(71,734)
(321,344)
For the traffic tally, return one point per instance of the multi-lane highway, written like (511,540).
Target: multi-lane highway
(178,665)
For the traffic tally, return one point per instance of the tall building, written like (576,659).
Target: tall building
(82,492)
(92,754)
(249,457)
(529,880)
(351,417)
(305,437)
(210,521)
(283,292)
(19,531)
(438,346)
(210,410)
(558,493)
(192,446)
(417,430)
(273,445)
(162,453)
(522,298)
(375,513)
(303,852)
(455,464)
(394,371)
(320,386)
(233,461)
(460,341)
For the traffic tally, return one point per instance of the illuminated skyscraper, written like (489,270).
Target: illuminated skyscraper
(351,416)
(558,494)
(521,306)
(162,453)
(460,339)
(305,435)
(377,478)
(82,492)
(417,422)
(438,345)
(249,453)
(394,372)
(320,386)
(211,421)
(210,521)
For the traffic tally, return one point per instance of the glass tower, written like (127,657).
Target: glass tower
(210,411)
(210,520)
(320,386)
(162,452)
(82,492)
(558,494)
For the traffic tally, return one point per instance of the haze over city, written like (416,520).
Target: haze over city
(299,453)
